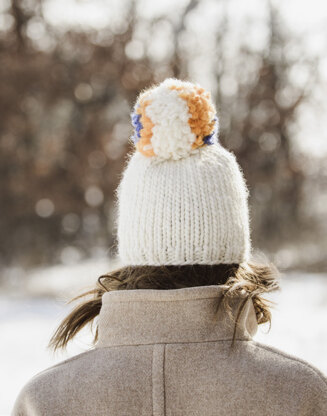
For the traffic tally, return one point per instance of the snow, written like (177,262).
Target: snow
(29,315)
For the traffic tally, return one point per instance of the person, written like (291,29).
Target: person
(175,323)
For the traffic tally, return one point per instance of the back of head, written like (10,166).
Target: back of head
(182,206)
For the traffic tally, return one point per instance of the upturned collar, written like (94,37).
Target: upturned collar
(151,316)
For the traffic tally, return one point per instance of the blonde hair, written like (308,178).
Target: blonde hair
(253,279)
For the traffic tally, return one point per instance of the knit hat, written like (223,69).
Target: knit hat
(182,198)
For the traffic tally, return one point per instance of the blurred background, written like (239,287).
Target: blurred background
(70,71)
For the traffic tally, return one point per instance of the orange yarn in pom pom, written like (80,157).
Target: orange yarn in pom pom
(144,144)
(201,110)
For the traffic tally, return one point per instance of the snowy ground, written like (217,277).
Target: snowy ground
(28,318)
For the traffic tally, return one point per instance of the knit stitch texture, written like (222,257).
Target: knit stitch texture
(182,198)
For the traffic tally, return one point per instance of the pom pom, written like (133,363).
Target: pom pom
(174,119)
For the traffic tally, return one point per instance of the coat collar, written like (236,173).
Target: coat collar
(151,316)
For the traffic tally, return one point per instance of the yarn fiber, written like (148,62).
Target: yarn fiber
(182,198)
(172,119)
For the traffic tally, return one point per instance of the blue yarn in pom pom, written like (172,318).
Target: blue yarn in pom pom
(137,126)
(211,138)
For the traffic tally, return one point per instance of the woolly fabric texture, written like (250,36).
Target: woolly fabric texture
(172,119)
(182,198)
(167,352)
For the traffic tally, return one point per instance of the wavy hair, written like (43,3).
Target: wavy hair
(250,279)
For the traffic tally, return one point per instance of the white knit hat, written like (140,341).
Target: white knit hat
(182,198)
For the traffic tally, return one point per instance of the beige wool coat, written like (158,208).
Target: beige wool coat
(162,352)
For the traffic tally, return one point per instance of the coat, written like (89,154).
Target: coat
(167,352)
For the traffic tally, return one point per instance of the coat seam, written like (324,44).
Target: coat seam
(158,300)
(172,343)
(164,378)
(158,385)
(152,386)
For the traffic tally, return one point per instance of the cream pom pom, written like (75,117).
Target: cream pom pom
(174,119)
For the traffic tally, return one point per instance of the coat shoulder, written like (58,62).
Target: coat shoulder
(41,381)
(291,362)
(90,383)
(301,380)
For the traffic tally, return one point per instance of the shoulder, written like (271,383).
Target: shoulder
(37,389)
(291,375)
(289,362)
(100,371)
(62,366)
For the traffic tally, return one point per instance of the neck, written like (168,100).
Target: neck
(149,316)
